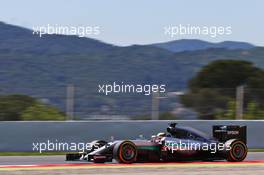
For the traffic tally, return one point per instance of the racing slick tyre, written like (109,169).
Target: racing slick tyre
(125,152)
(73,156)
(238,151)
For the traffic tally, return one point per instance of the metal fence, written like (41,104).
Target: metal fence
(80,103)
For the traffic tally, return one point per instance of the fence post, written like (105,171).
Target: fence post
(155,106)
(239,102)
(70,102)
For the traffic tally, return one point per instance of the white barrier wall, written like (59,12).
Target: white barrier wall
(20,136)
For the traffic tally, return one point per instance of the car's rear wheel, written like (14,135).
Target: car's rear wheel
(125,152)
(238,151)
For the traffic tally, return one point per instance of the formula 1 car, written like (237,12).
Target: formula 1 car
(178,144)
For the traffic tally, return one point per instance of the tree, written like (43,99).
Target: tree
(213,89)
(254,111)
(12,106)
(207,102)
(22,107)
(40,111)
(162,116)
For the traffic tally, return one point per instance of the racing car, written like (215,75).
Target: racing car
(179,143)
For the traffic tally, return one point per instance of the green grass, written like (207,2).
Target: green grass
(256,150)
(31,153)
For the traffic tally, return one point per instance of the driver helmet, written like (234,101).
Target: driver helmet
(161,134)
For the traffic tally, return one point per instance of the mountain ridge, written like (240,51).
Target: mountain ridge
(195,44)
(14,38)
(12,35)
(44,70)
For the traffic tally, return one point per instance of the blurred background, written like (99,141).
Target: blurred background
(224,86)
(56,77)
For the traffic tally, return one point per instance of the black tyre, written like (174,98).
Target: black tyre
(73,156)
(238,151)
(125,152)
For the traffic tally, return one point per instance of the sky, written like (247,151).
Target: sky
(126,22)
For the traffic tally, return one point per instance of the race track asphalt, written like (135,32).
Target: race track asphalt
(253,165)
(32,160)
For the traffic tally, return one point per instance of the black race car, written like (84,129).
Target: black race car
(178,144)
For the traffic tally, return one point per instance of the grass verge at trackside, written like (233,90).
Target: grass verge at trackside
(256,150)
(64,153)
(31,153)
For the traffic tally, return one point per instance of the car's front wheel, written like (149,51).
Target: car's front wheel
(125,152)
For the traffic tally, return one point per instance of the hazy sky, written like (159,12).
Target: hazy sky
(125,22)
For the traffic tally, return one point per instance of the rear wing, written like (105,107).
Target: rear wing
(226,132)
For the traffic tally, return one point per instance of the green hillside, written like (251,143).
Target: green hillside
(46,74)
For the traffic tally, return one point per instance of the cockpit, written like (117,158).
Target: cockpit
(186,133)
